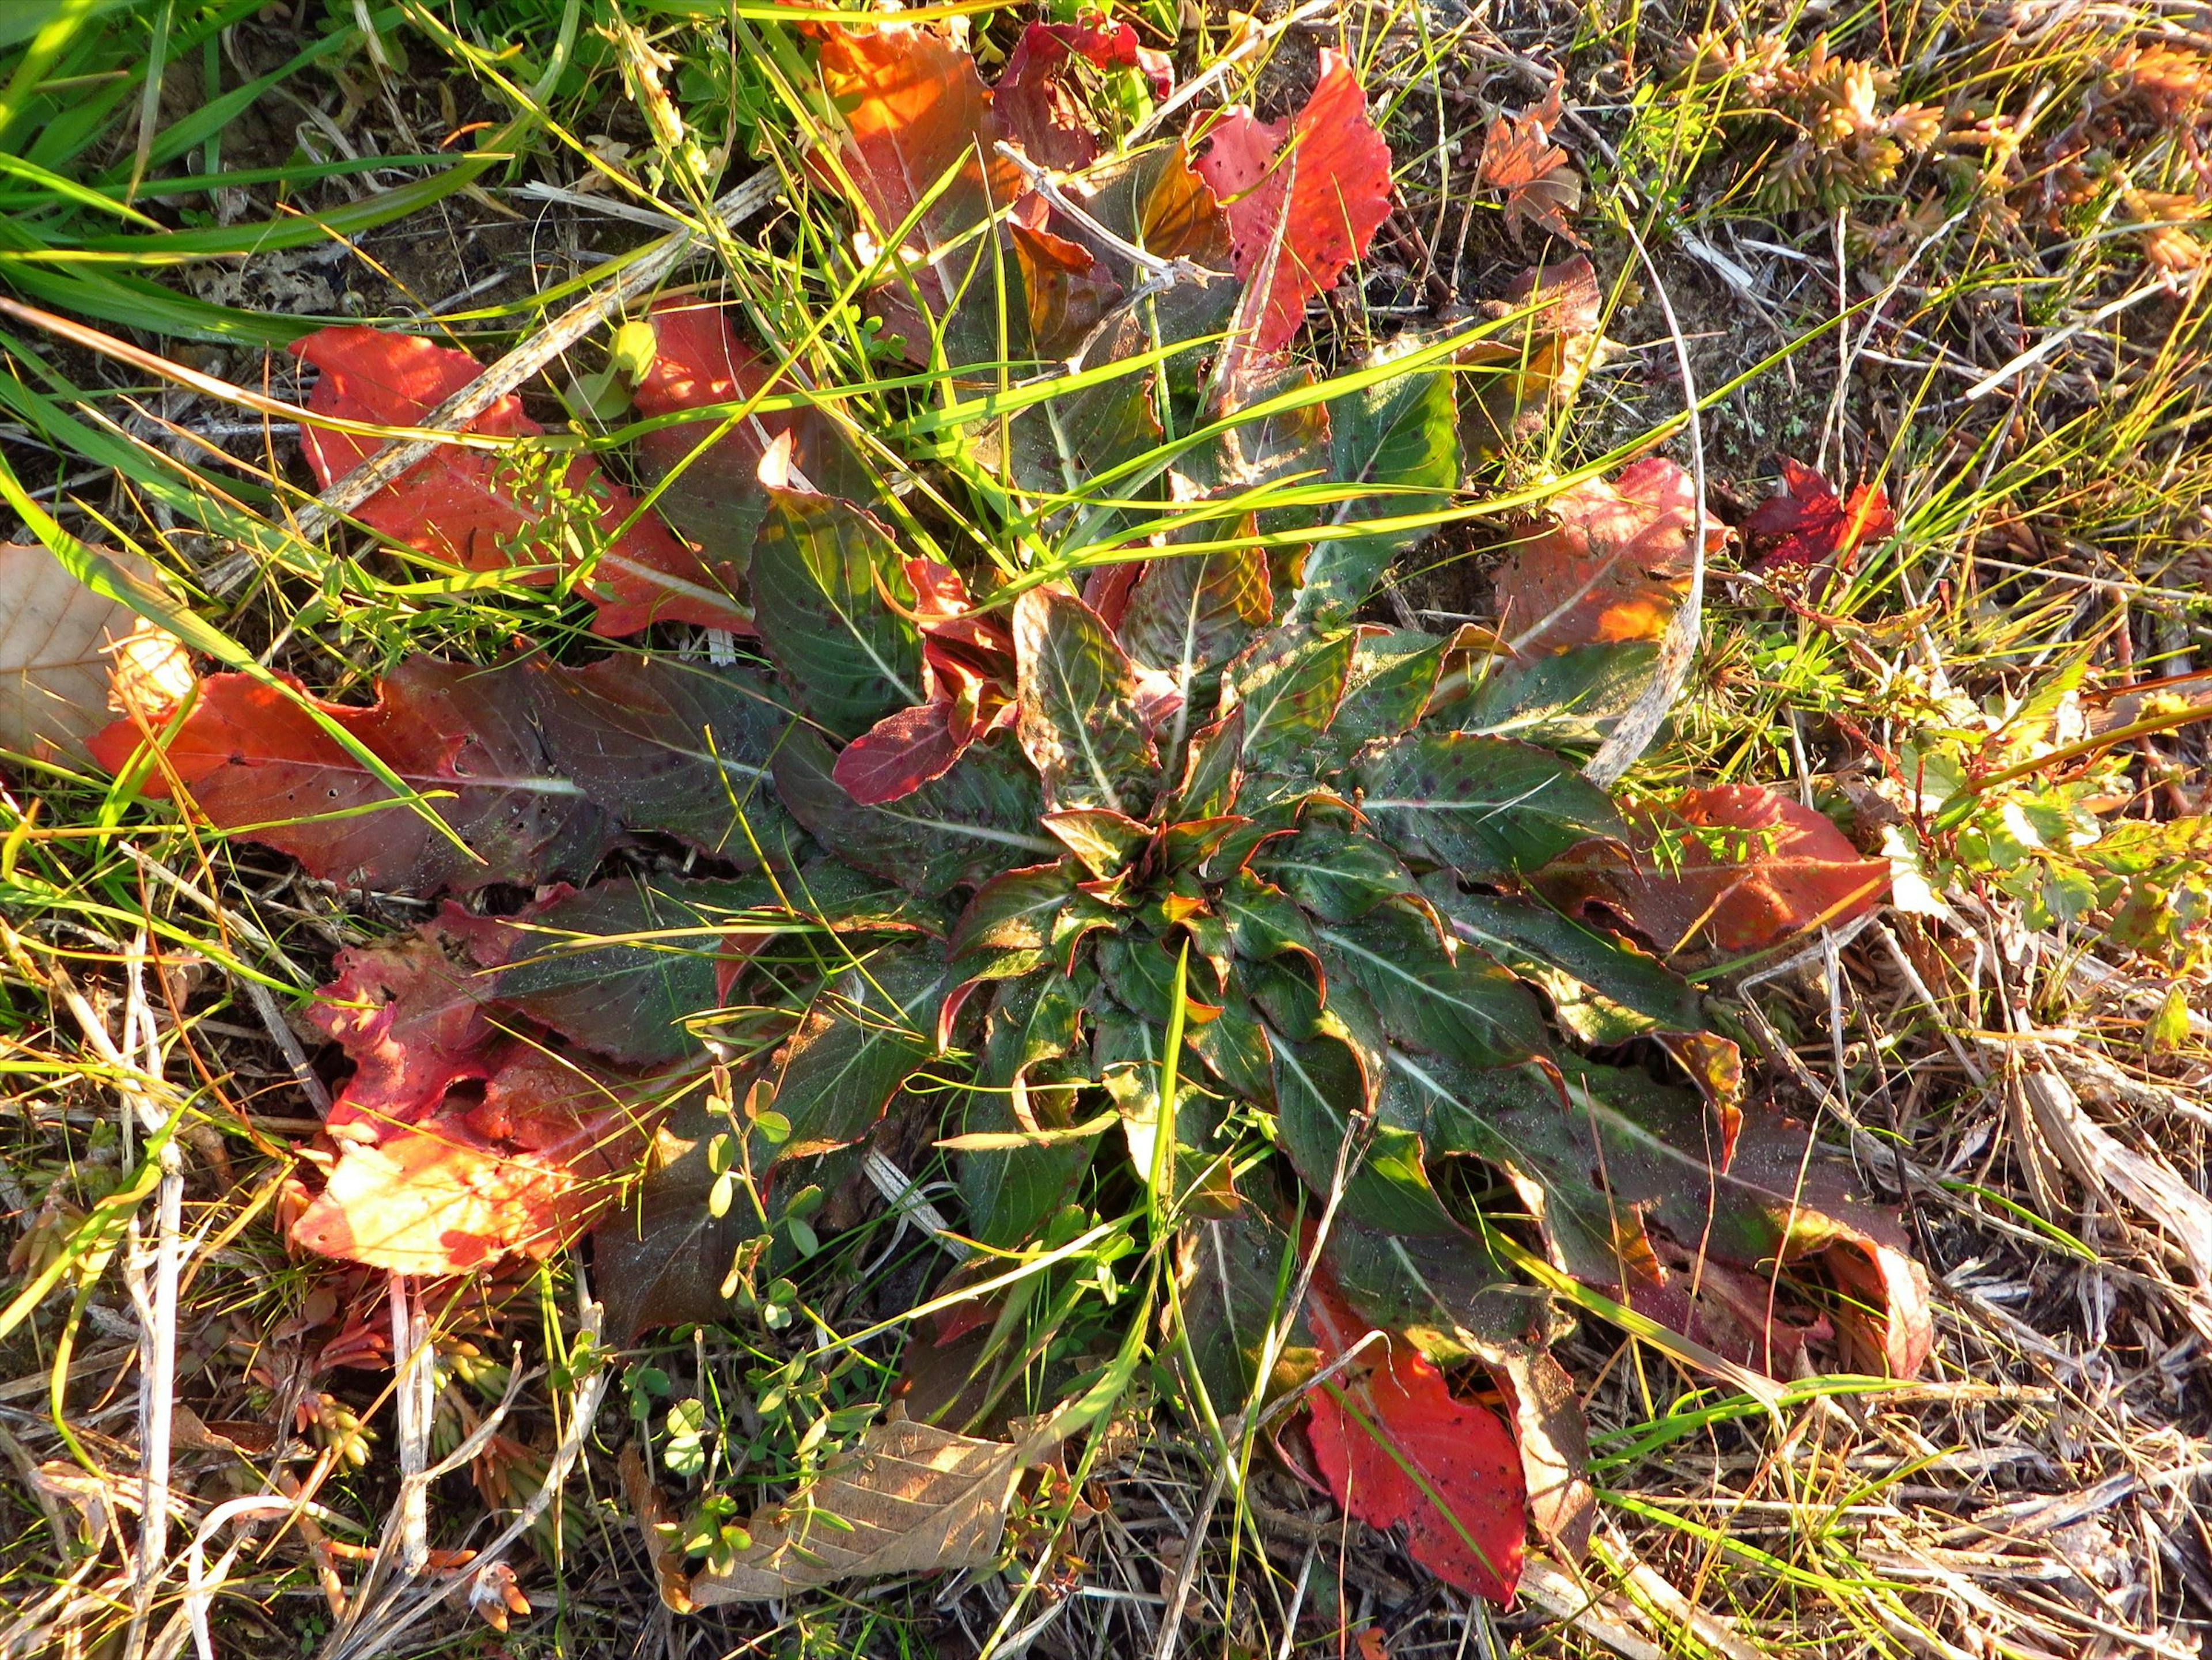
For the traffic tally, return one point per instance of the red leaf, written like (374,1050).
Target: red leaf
(468,508)
(1037,95)
(1613,567)
(524,1171)
(1728,871)
(916,110)
(410,1015)
(1324,179)
(1447,1469)
(1809,525)
(967,659)
(254,761)
(900,753)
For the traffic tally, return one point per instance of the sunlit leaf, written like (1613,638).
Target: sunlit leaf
(1077,698)
(1400,434)
(1728,870)
(476,509)
(1613,567)
(1304,197)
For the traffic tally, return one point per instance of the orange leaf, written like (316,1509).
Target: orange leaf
(470,507)
(523,1171)
(1613,567)
(1323,179)
(1519,158)
(914,110)
(1725,871)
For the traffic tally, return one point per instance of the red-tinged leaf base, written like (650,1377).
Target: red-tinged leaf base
(1726,871)
(1324,179)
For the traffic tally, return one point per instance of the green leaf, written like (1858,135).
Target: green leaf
(628,999)
(1337,873)
(1008,927)
(1606,991)
(977,820)
(1393,674)
(1011,1194)
(1287,685)
(1077,694)
(1103,842)
(1400,433)
(868,1030)
(832,600)
(1188,615)
(1263,920)
(1573,696)
(1140,974)
(1322,1093)
(1450,1294)
(681,748)
(1469,1009)
(1234,1047)
(1210,778)
(1486,807)
(1057,446)
(1517,1119)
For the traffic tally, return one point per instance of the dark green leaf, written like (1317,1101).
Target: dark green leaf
(1448,1293)
(977,820)
(1571,697)
(1394,673)
(1469,1009)
(1234,1046)
(832,599)
(1288,685)
(1011,1194)
(1337,873)
(1078,702)
(1402,434)
(1191,613)
(868,1030)
(1057,448)
(1322,1096)
(681,748)
(1605,989)
(1490,809)
(1265,922)
(630,1000)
